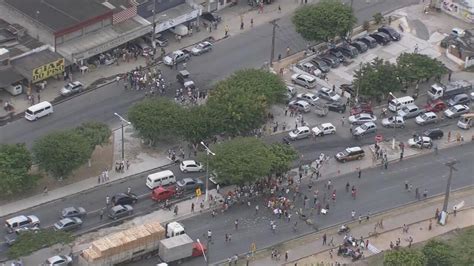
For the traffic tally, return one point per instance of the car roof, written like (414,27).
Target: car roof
(363,115)
(430,113)
(302,102)
(369,123)
(186,162)
(327,125)
(302,128)
(356,148)
(16,219)
(66,220)
(462,95)
(325,89)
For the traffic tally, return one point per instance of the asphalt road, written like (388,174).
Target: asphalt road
(250,49)
(378,190)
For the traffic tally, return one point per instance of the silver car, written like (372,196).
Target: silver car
(366,128)
(308,97)
(120,211)
(201,48)
(68,224)
(409,111)
(394,121)
(360,119)
(426,118)
(455,111)
(328,94)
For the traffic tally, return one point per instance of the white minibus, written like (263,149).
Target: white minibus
(38,110)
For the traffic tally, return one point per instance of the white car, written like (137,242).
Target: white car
(324,129)
(190,166)
(201,48)
(20,222)
(394,121)
(71,88)
(304,80)
(309,97)
(456,111)
(420,142)
(299,133)
(329,94)
(300,105)
(58,260)
(360,119)
(426,118)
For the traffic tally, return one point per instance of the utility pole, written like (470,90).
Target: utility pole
(275,25)
(448,185)
(153,33)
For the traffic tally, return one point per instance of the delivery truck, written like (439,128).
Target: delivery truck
(139,242)
(441,91)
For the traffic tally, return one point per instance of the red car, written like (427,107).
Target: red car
(163,193)
(435,106)
(362,108)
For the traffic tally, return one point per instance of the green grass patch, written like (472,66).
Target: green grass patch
(29,242)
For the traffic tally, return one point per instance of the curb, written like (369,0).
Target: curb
(334,226)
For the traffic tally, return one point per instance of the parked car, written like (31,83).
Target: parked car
(336,107)
(409,111)
(381,38)
(68,224)
(58,260)
(162,193)
(360,119)
(300,105)
(364,129)
(120,211)
(176,57)
(394,121)
(328,94)
(201,48)
(308,97)
(361,108)
(72,88)
(304,80)
(70,212)
(435,106)
(324,129)
(190,184)
(420,142)
(459,99)
(426,118)
(336,53)
(124,199)
(332,61)
(368,40)
(394,35)
(350,154)
(323,66)
(187,166)
(299,133)
(211,17)
(455,111)
(348,51)
(161,41)
(20,222)
(360,46)
(434,133)
(309,68)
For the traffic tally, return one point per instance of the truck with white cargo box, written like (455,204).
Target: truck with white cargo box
(175,248)
(441,91)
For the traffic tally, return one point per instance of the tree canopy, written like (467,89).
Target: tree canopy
(404,256)
(324,21)
(438,253)
(156,119)
(15,164)
(96,133)
(244,160)
(60,153)
(416,67)
(377,78)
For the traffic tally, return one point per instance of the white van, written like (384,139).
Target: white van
(162,178)
(38,110)
(396,104)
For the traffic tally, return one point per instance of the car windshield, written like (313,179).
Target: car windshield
(296,131)
(364,127)
(424,116)
(345,152)
(68,86)
(331,93)
(60,224)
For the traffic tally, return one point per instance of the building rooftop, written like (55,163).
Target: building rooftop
(59,14)
(8,76)
(25,65)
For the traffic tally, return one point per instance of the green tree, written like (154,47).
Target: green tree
(438,253)
(283,156)
(240,161)
(376,79)
(156,119)
(324,21)
(29,242)
(414,67)
(60,153)
(378,17)
(15,164)
(404,256)
(234,111)
(463,248)
(96,133)
(197,124)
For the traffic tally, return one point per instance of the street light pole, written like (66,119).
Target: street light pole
(122,121)
(153,33)
(203,251)
(272,55)
(208,152)
(448,185)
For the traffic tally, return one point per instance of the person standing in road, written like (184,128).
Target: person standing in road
(226,31)
(256,209)
(236,224)
(406,184)
(101,214)
(209,236)
(107,200)
(425,193)
(192,207)
(176,210)
(359,173)
(324,239)
(129,190)
(455,211)
(251,22)
(353,213)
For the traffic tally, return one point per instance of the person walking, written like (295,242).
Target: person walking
(226,30)
(425,193)
(241,25)
(353,213)
(192,207)
(455,210)
(129,190)
(209,236)
(175,210)
(251,22)
(288,50)
(359,173)
(324,239)
(406,184)
(256,209)
(236,224)
(107,200)
(101,214)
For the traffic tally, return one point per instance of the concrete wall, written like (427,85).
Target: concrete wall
(34,29)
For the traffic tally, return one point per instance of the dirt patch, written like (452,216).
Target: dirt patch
(101,158)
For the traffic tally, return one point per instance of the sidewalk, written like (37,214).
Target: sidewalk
(309,249)
(82,242)
(231,17)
